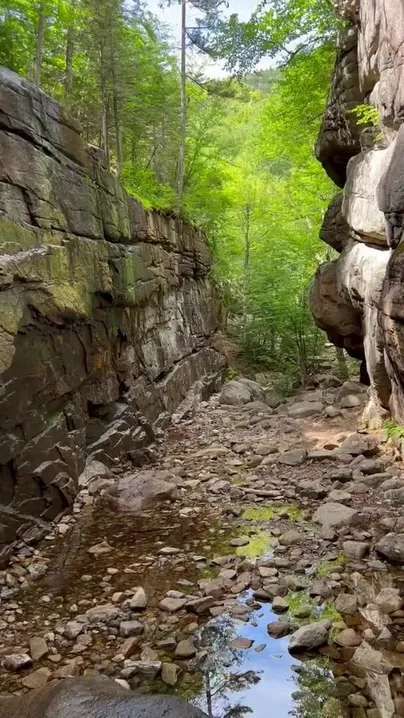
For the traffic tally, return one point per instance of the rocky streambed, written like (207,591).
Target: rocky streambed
(254,566)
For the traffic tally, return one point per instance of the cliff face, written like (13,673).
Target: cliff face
(107,313)
(358,299)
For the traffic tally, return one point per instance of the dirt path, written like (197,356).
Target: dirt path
(201,593)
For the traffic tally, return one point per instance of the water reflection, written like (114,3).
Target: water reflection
(259,682)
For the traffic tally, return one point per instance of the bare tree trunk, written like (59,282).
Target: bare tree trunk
(104,105)
(247,250)
(118,137)
(69,60)
(183,120)
(342,365)
(39,44)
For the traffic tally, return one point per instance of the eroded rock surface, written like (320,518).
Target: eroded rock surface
(106,313)
(357,299)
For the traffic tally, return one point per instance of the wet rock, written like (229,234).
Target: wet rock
(38,648)
(170,673)
(310,637)
(293,458)
(356,550)
(17,661)
(389,600)
(304,409)
(391,547)
(346,604)
(334,515)
(185,649)
(242,644)
(130,628)
(359,444)
(241,541)
(279,605)
(279,629)
(134,492)
(291,538)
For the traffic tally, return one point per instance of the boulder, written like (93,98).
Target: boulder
(310,637)
(334,515)
(304,409)
(135,492)
(391,548)
(235,393)
(98,697)
(357,444)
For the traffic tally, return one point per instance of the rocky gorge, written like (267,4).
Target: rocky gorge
(107,314)
(357,298)
(269,564)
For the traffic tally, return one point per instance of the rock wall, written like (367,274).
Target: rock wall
(107,314)
(358,299)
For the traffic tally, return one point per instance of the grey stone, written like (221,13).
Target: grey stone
(334,515)
(391,547)
(310,637)
(304,409)
(185,649)
(355,549)
(130,628)
(66,698)
(38,648)
(293,458)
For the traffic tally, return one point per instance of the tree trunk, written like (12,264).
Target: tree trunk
(183,121)
(39,44)
(247,250)
(118,138)
(104,105)
(342,365)
(69,60)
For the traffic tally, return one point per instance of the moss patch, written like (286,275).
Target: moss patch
(260,543)
(327,567)
(267,512)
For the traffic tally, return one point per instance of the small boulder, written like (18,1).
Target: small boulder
(310,637)
(185,649)
(356,550)
(279,629)
(235,393)
(304,409)
(391,547)
(357,444)
(334,515)
(389,600)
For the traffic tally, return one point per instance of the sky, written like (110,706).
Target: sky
(172,17)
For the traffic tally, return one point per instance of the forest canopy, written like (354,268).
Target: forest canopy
(251,180)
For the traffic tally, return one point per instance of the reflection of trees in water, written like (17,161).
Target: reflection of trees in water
(317,696)
(221,679)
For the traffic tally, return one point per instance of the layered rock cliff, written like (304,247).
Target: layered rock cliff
(107,314)
(358,299)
